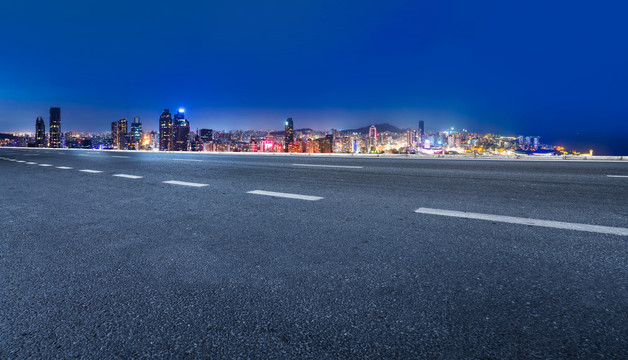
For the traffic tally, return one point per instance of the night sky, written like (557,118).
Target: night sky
(558,69)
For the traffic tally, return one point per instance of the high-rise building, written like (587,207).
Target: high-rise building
(40,132)
(114,133)
(372,139)
(181,131)
(421,128)
(372,131)
(289,134)
(119,130)
(206,135)
(55,127)
(136,132)
(165,131)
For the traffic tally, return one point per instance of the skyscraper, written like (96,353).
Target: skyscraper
(421,128)
(55,127)
(165,131)
(289,133)
(119,134)
(114,133)
(371,141)
(40,132)
(206,135)
(136,132)
(181,131)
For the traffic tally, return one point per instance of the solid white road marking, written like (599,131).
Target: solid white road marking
(31,163)
(119,156)
(45,165)
(187,159)
(527,221)
(91,171)
(330,166)
(285,195)
(183,183)
(618,176)
(128,176)
(64,167)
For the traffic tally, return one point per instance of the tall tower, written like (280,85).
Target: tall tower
(289,133)
(421,128)
(55,127)
(114,134)
(40,132)
(119,131)
(136,132)
(373,131)
(165,131)
(181,131)
(372,139)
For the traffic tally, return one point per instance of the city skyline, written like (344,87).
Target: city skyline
(175,135)
(581,142)
(339,66)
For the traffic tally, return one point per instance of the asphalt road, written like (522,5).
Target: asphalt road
(94,265)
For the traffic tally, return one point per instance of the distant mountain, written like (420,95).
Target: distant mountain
(386,127)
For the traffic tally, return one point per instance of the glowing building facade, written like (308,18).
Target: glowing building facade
(165,131)
(40,132)
(289,134)
(55,127)
(181,131)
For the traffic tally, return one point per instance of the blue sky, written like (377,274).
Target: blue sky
(530,67)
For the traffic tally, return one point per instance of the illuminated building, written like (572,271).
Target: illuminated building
(40,132)
(165,131)
(119,134)
(335,136)
(55,127)
(372,139)
(136,132)
(289,134)
(181,131)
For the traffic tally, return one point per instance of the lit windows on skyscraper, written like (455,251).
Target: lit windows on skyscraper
(40,132)
(289,134)
(165,131)
(55,127)
(181,131)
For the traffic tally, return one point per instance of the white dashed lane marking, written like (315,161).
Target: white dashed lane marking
(31,163)
(45,165)
(330,166)
(285,195)
(526,221)
(128,176)
(64,167)
(618,176)
(183,183)
(119,156)
(187,160)
(91,171)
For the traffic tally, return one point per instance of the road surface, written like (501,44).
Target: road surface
(130,255)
